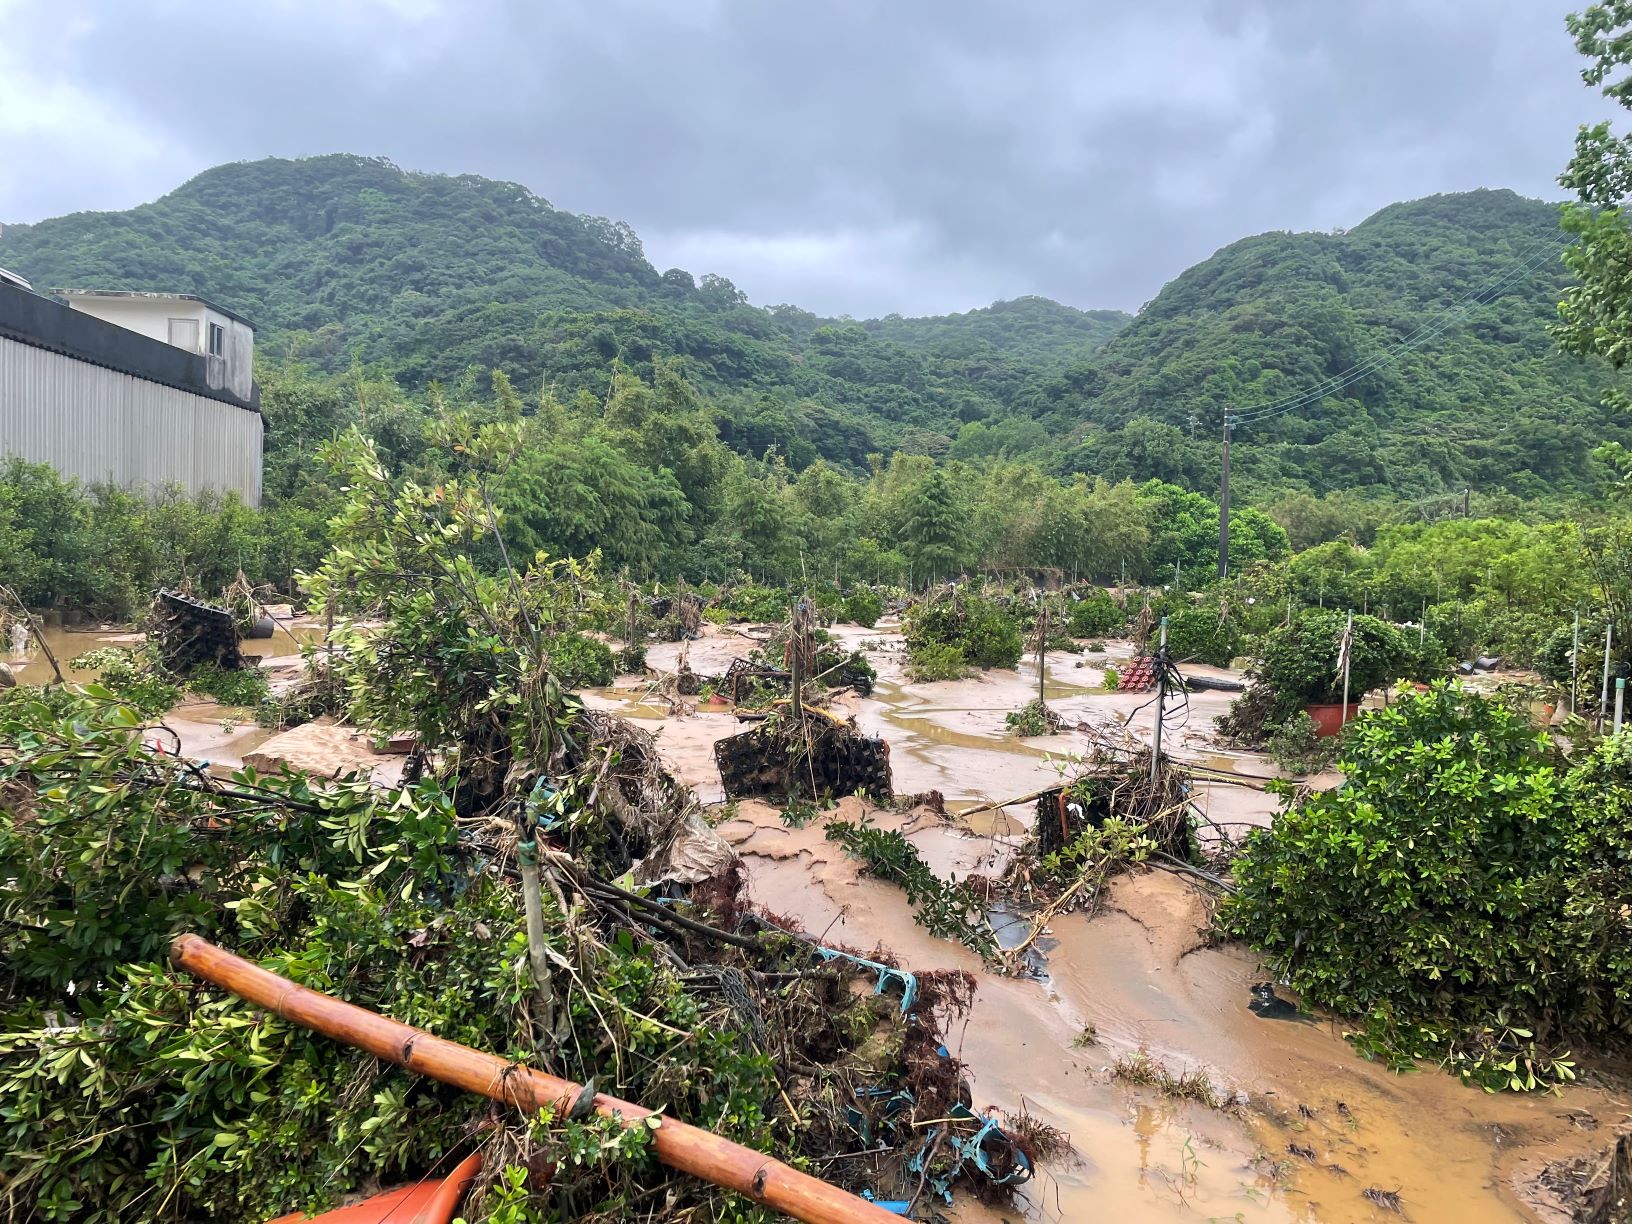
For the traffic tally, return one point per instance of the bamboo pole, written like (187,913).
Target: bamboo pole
(680,1146)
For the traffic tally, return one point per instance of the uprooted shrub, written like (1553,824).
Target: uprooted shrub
(945,908)
(1033,718)
(1463,896)
(983,633)
(1297,747)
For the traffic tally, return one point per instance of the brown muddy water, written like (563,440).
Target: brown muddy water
(1312,1125)
(208,731)
(1315,1125)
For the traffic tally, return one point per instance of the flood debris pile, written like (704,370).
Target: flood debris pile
(1595,1191)
(646,974)
(1106,790)
(804,752)
(677,617)
(116,1070)
(192,634)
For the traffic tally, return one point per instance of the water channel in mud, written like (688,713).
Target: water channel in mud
(1315,1126)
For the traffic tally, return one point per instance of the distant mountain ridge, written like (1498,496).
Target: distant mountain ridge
(342,259)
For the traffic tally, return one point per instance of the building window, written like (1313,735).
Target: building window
(184,334)
(218,340)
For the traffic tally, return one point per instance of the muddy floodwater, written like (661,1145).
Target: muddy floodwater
(1316,1125)
(1308,1125)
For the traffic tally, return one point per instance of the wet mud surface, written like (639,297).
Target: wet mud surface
(1314,1125)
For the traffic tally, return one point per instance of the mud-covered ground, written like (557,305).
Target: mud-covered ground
(1317,1125)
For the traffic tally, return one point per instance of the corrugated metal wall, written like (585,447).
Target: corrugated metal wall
(99,425)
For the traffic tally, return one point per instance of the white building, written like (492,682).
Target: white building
(145,391)
(224,339)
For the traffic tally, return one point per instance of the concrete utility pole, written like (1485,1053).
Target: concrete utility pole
(1465,494)
(1603,694)
(1575,663)
(1224,505)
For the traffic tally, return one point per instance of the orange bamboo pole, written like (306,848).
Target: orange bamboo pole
(680,1146)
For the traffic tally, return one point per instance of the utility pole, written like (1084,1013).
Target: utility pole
(1224,504)
(1603,694)
(1575,663)
(1465,493)
(1161,702)
(1348,659)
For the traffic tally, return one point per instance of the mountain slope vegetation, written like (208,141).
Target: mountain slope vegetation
(345,260)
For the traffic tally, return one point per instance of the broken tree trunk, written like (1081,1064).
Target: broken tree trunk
(687,1148)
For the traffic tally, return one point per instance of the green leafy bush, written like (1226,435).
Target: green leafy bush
(1201,635)
(244,687)
(1096,615)
(580,661)
(134,677)
(1112,678)
(864,608)
(934,661)
(1463,894)
(984,633)
(1300,661)
(752,602)
(1298,749)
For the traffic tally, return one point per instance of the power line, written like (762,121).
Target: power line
(1421,336)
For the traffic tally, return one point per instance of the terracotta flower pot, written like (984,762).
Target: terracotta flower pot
(1329,719)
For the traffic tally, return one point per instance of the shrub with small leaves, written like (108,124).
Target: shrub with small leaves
(1097,614)
(1463,893)
(935,661)
(863,608)
(983,633)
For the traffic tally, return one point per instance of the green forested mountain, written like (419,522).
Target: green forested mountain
(344,259)
(1038,331)
(1490,403)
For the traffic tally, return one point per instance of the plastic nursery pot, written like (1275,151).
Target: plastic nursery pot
(1328,719)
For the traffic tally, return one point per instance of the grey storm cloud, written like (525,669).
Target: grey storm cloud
(849,156)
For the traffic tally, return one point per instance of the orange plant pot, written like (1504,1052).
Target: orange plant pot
(1328,719)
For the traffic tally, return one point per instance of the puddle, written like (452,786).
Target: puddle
(32,666)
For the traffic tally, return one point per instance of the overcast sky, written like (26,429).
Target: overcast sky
(857,156)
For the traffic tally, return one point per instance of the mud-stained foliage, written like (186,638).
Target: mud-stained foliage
(1462,897)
